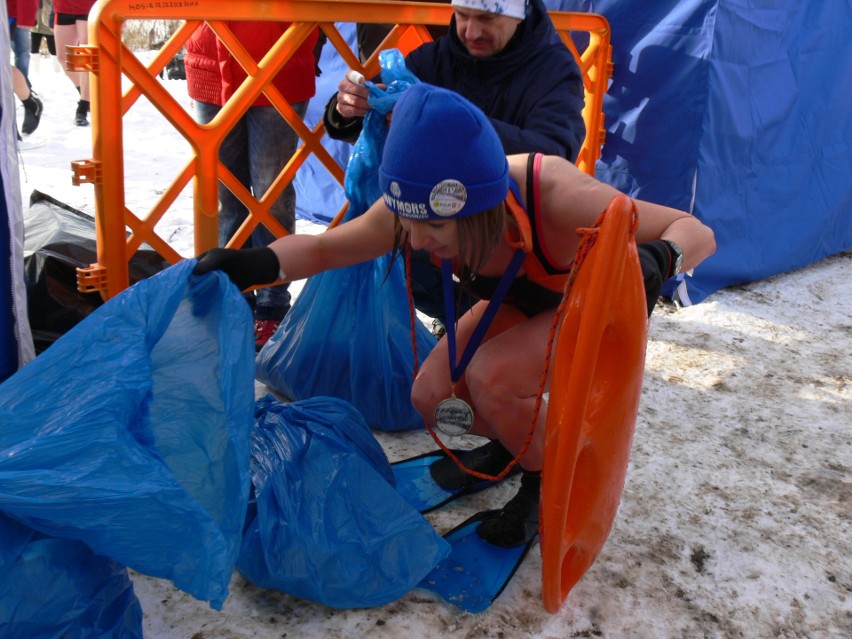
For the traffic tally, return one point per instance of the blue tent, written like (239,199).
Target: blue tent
(739,113)
(736,112)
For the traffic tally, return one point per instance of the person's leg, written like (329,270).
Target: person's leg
(65,34)
(272,143)
(233,154)
(501,384)
(80,119)
(31,102)
(19,84)
(21,50)
(82,27)
(35,47)
(517,521)
(503,379)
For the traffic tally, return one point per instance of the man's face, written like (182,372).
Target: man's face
(484,34)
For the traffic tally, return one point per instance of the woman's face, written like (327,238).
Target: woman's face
(439,237)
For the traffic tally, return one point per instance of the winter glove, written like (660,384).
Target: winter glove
(656,262)
(245,267)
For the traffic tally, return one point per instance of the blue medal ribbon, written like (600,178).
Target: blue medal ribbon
(457,368)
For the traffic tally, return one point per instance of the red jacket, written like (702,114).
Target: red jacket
(73,7)
(24,12)
(212,73)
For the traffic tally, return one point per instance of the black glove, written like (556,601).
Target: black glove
(339,127)
(245,267)
(656,262)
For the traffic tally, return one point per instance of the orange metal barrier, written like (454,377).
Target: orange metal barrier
(594,399)
(110,61)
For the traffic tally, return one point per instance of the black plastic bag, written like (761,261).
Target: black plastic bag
(59,239)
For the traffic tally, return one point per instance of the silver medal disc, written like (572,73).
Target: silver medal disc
(454,417)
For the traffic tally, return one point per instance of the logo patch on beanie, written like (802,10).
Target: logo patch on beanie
(448,197)
(413,210)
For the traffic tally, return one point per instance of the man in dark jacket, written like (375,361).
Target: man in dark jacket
(506,57)
(530,87)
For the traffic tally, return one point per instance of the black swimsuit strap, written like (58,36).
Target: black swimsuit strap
(532,215)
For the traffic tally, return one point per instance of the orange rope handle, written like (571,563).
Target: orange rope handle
(588,237)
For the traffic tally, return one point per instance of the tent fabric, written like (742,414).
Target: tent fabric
(733,111)
(775,162)
(16,347)
(738,114)
(318,195)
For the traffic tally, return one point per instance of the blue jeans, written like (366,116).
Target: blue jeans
(21,49)
(255,151)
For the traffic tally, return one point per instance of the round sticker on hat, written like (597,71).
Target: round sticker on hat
(448,198)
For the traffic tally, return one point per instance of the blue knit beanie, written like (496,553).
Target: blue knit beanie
(442,157)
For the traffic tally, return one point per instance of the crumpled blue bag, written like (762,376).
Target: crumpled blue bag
(326,523)
(131,434)
(59,589)
(348,335)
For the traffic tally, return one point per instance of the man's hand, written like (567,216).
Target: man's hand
(245,267)
(655,260)
(352,96)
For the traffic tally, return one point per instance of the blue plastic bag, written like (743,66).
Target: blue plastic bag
(348,334)
(131,432)
(325,523)
(59,589)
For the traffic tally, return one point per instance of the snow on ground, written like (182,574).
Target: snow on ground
(735,517)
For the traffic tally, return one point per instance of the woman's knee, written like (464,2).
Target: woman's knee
(488,382)
(425,395)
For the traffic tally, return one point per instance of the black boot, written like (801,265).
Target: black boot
(517,521)
(82,111)
(32,113)
(489,459)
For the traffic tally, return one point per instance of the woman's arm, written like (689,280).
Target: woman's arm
(571,199)
(298,256)
(364,238)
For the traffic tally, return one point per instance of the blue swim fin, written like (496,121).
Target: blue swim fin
(475,572)
(416,485)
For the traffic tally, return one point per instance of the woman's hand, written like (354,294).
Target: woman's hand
(245,267)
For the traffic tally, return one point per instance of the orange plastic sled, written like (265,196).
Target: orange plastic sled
(594,399)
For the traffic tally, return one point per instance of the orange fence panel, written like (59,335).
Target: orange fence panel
(594,399)
(119,79)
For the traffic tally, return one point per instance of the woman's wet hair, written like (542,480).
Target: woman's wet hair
(478,236)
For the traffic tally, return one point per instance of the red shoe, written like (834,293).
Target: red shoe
(263,330)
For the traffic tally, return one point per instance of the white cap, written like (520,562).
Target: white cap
(511,8)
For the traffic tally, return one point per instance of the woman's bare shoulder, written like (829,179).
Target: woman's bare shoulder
(552,168)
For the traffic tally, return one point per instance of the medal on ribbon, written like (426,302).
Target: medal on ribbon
(454,416)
